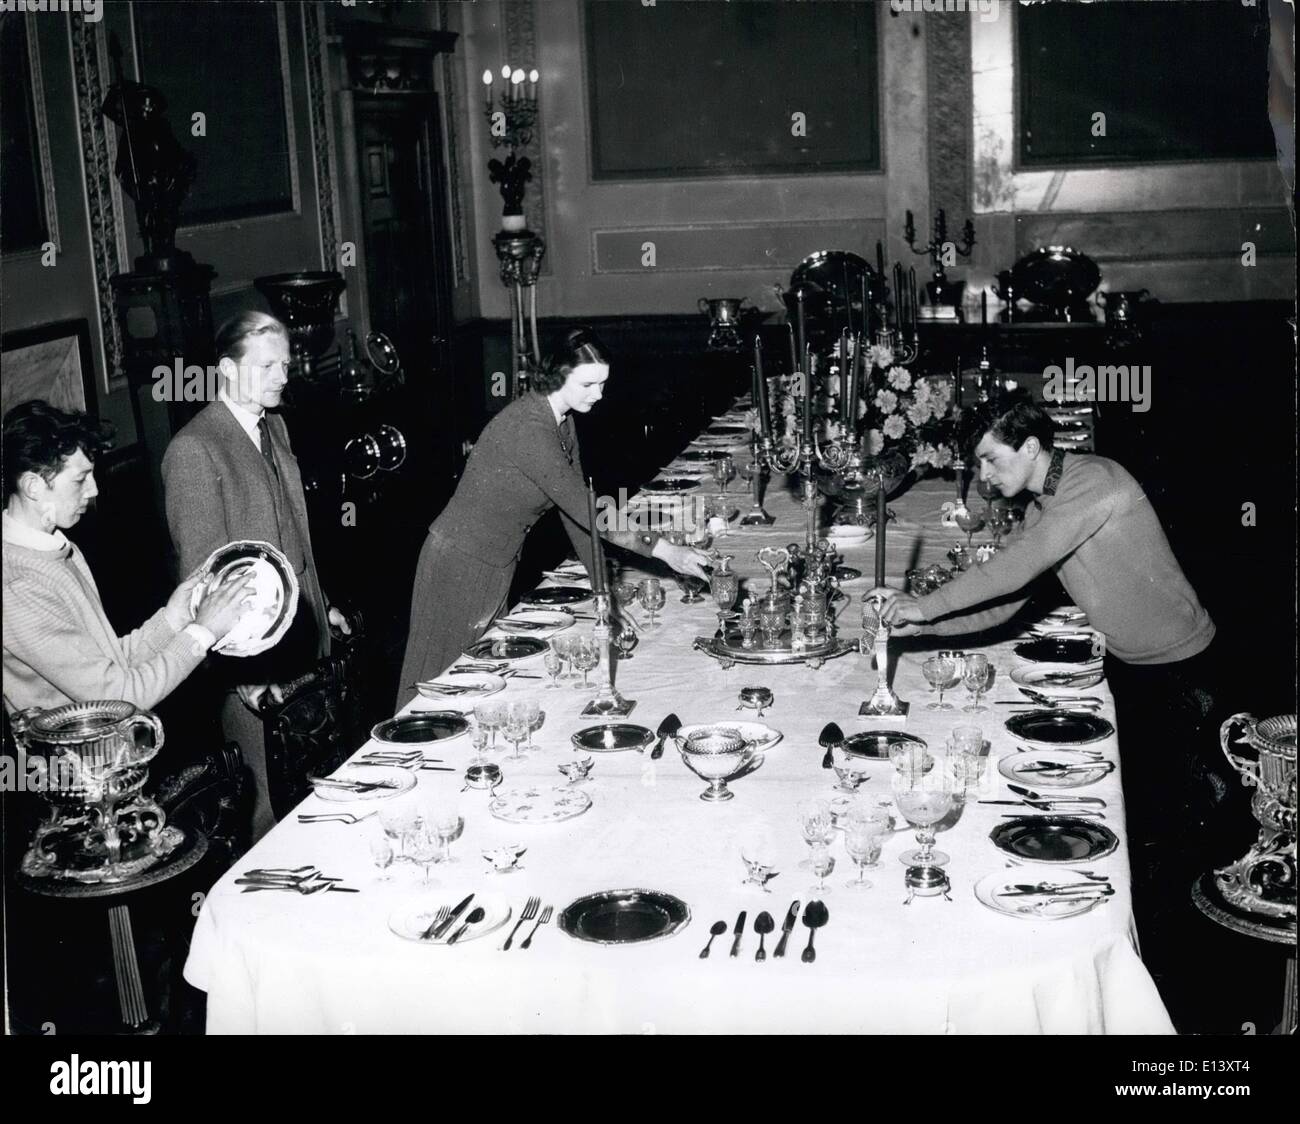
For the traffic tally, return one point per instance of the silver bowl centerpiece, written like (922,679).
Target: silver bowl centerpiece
(715,755)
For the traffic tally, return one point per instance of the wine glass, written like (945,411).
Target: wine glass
(924,799)
(564,649)
(977,677)
(986,490)
(723,471)
(515,729)
(1000,523)
(448,825)
(724,585)
(626,640)
(397,819)
(381,852)
(491,715)
(690,588)
(816,824)
(970,522)
(864,836)
(425,848)
(552,662)
(478,738)
(534,717)
(822,863)
(940,674)
(586,655)
(651,593)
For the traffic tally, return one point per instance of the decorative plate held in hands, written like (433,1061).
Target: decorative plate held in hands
(1059,727)
(1054,839)
(538,804)
(624,916)
(612,737)
(506,648)
(420,729)
(1055,649)
(275,595)
(557,595)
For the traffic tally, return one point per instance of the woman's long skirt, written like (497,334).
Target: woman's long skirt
(454,599)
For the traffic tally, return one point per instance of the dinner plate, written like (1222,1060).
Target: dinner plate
(411,921)
(1059,727)
(401,779)
(1056,678)
(1089,770)
(698,455)
(538,804)
(557,595)
(420,729)
(274,595)
(534,622)
(477,685)
(624,917)
(612,737)
(992,891)
(1055,649)
(670,485)
(508,648)
(1054,839)
(759,736)
(729,429)
(876,744)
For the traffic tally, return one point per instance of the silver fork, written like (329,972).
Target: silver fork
(438,918)
(546,916)
(328,817)
(529,912)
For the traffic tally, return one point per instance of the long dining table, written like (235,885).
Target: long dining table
(331,963)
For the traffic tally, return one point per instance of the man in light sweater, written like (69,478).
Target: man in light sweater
(59,646)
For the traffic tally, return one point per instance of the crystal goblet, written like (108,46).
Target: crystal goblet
(652,597)
(940,674)
(924,799)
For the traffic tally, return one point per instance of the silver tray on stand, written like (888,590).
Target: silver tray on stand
(730,651)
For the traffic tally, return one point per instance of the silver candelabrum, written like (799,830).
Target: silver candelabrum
(883,702)
(607,701)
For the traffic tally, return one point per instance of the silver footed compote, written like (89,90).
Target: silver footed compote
(715,756)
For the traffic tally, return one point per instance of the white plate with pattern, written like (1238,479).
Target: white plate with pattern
(758,735)
(534,804)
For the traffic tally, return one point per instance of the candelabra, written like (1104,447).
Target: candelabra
(511,119)
(940,291)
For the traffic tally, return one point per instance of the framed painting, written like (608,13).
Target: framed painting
(53,362)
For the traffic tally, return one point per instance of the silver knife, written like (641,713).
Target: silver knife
(1030,794)
(792,915)
(739,930)
(433,932)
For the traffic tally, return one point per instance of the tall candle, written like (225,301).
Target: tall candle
(801,333)
(866,308)
(807,396)
(844,365)
(880,534)
(911,299)
(760,390)
(597,554)
(794,353)
(859,357)
(984,307)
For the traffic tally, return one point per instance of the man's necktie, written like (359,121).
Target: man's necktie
(264,439)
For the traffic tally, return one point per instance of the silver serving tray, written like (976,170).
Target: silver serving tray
(876,744)
(728,654)
(624,917)
(612,737)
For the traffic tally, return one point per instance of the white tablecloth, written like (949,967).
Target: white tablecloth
(327,963)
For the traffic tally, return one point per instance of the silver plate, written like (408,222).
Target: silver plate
(624,917)
(612,737)
(1054,839)
(876,744)
(814,657)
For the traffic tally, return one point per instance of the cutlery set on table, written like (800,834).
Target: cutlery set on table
(305,880)
(814,917)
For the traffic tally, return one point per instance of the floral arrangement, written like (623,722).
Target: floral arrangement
(910,418)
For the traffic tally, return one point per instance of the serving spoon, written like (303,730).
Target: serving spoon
(814,916)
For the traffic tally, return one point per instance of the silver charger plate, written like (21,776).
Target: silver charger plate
(876,744)
(275,595)
(421,729)
(1059,727)
(1054,839)
(612,737)
(506,648)
(624,917)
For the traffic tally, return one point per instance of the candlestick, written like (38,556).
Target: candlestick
(880,532)
(487,83)
(533,77)
(597,554)
(760,388)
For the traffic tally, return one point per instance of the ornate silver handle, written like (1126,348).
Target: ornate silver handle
(1248,769)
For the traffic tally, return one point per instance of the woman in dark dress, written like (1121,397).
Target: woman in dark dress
(524,463)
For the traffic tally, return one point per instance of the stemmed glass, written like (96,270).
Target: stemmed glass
(651,595)
(724,585)
(924,799)
(817,826)
(690,588)
(586,655)
(552,662)
(822,863)
(398,819)
(941,674)
(723,471)
(534,717)
(625,639)
(381,851)
(1000,523)
(977,677)
(448,826)
(425,848)
(516,729)
(864,835)
(478,738)
(970,522)
(564,649)
(491,716)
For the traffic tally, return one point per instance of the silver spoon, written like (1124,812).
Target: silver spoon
(717,929)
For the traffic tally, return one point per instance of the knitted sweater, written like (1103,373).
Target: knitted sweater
(1094,527)
(59,646)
